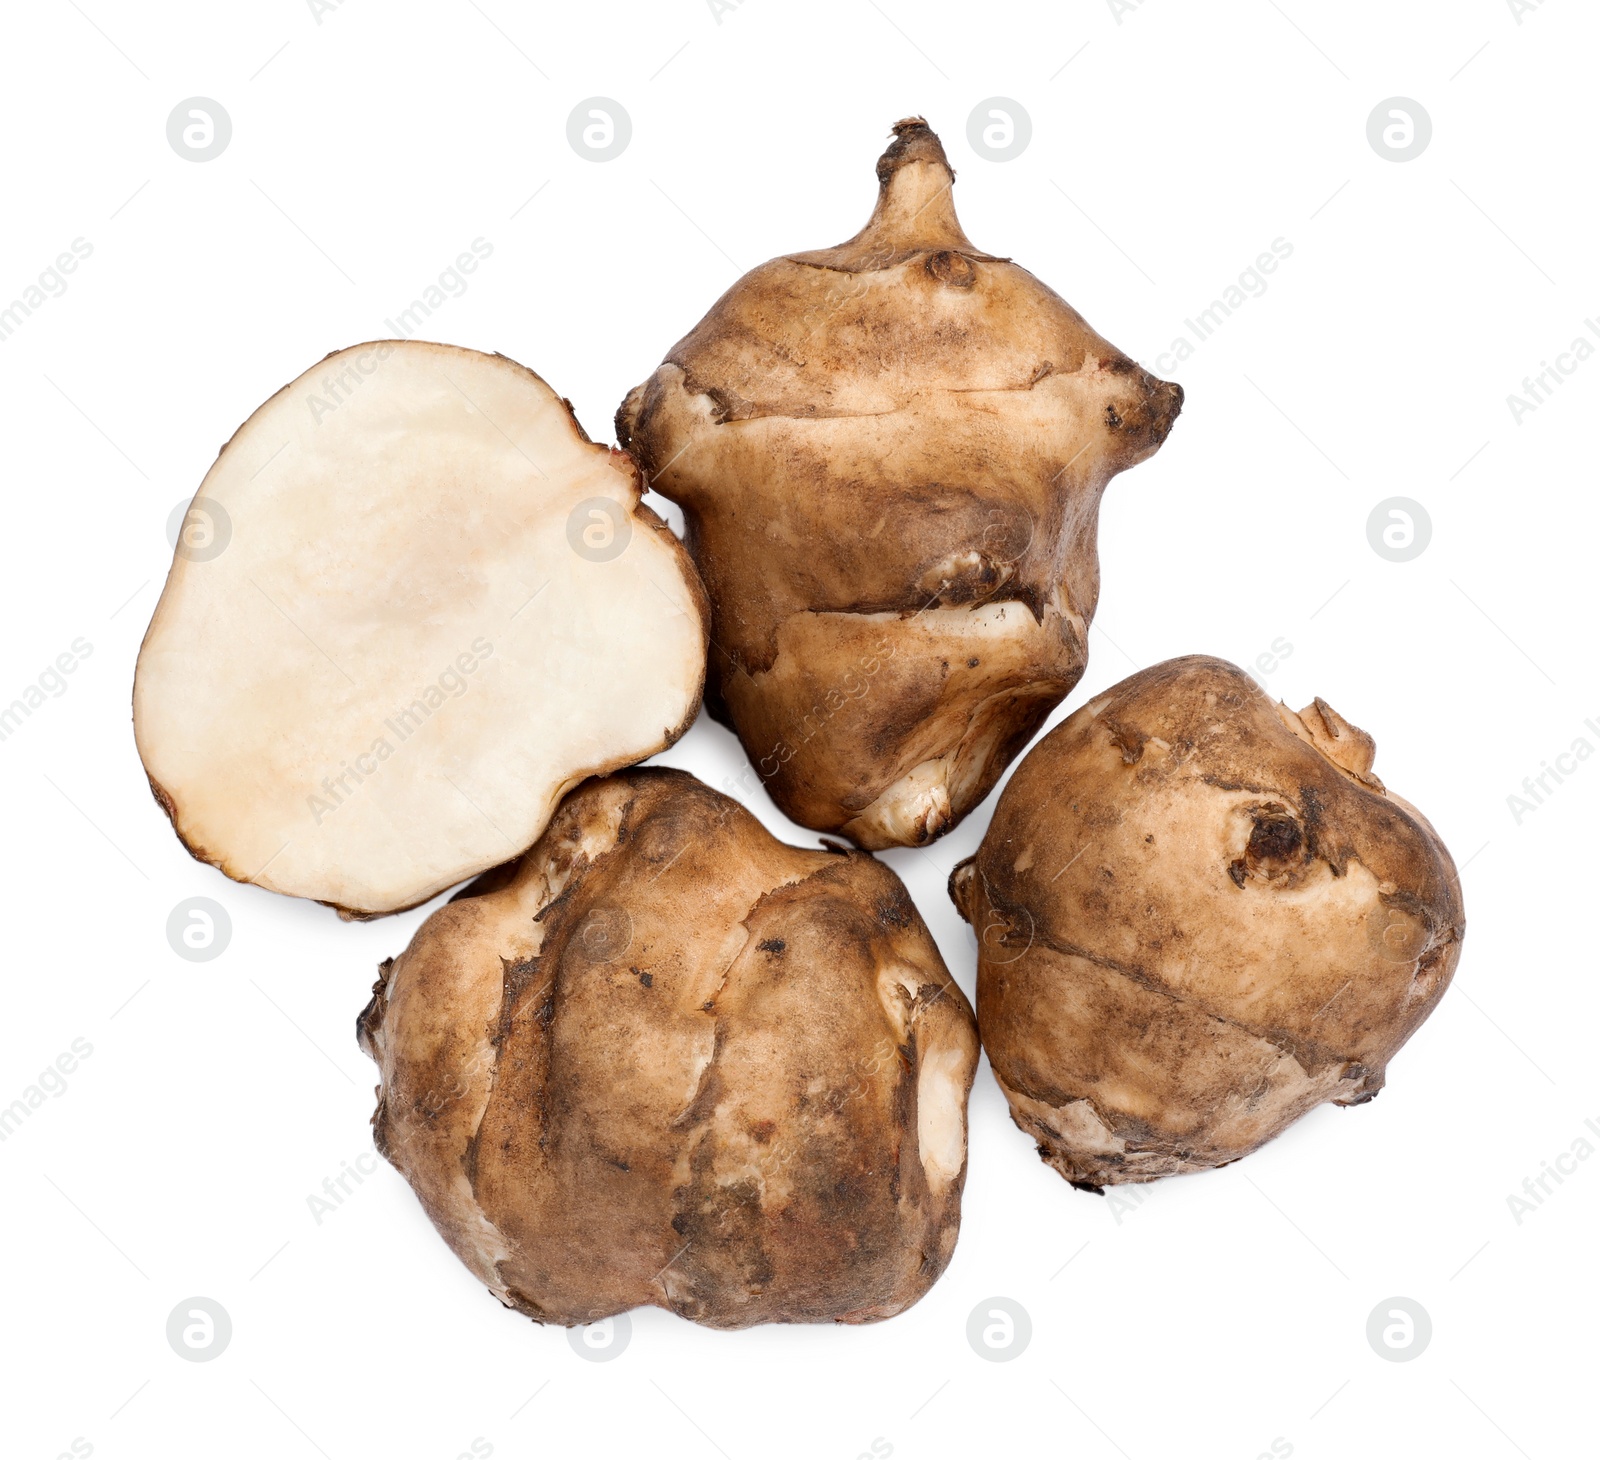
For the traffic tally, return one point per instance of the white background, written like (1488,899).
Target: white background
(1171,145)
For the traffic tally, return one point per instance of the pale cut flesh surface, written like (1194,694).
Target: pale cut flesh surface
(665,1059)
(418,633)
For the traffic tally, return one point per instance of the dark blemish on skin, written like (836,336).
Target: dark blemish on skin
(772,946)
(1129,741)
(1113,420)
(644,978)
(952,269)
(1275,839)
(972,664)
(893,916)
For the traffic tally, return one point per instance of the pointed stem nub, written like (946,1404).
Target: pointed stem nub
(915,209)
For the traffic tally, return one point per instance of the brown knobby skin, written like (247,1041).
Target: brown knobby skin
(890,456)
(1199,915)
(425,606)
(665,1059)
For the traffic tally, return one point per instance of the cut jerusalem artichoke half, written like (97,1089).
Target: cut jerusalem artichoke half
(1199,916)
(414,604)
(665,1059)
(890,456)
